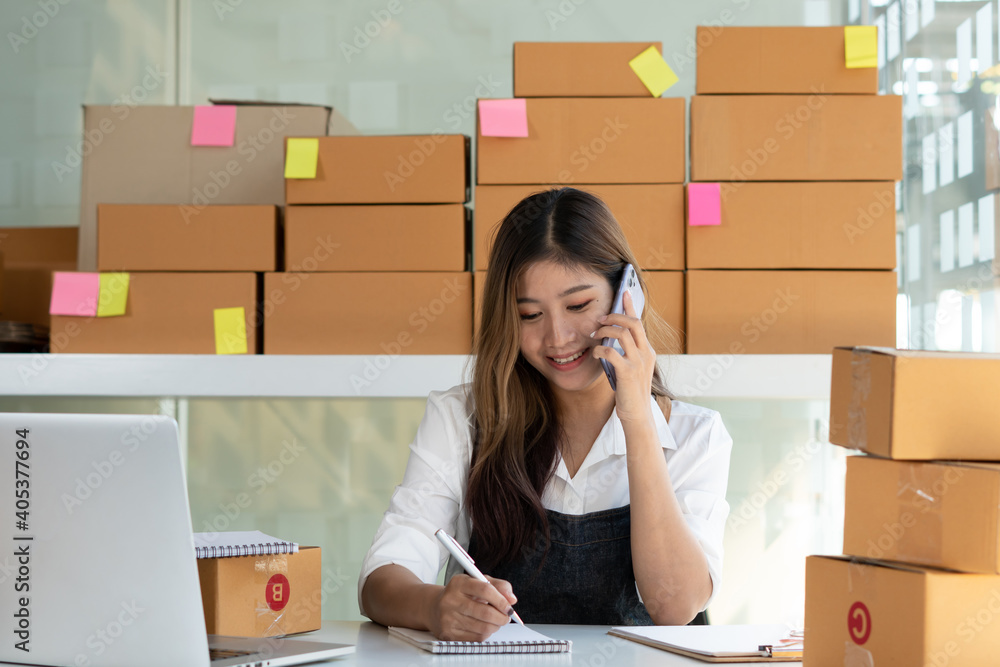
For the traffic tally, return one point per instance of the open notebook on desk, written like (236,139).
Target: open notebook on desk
(511,638)
(720,643)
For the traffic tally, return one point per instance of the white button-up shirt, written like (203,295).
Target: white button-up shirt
(695,443)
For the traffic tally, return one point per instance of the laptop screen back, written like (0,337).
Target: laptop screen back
(97,564)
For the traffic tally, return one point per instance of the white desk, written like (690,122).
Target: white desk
(592,647)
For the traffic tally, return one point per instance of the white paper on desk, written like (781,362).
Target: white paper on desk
(721,641)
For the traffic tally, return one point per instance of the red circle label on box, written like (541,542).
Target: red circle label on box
(859,623)
(277,592)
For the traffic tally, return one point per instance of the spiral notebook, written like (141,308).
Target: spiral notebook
(511,638)
(240,543)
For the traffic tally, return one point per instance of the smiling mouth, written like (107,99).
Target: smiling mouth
(571,358)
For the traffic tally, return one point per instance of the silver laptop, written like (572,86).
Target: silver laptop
(97,564)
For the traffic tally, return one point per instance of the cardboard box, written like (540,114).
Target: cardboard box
(652,217)
(31,254)
(873,613)
(821,225)
(397,237)
(788,312)
(368,313)
(143,155)
(262,596)
(817,137)
(578,69)
(777,60)
(666,298)
(918,405)
(400,169)
(182,238)
(590,140)
(943,515)
(166,313)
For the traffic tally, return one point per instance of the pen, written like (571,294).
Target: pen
(465,560)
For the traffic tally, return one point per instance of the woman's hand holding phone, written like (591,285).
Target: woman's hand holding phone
(634,370)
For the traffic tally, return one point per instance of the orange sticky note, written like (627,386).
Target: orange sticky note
(112,294)
(214,125)
(301,158)
(860,46)
(704,204)
(230,331)
(74,294)
(503,118)
(653,71)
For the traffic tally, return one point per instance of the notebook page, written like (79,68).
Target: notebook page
(512,632)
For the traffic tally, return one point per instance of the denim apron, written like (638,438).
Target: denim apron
(585,577)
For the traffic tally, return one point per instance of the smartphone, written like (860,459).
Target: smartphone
(630,284)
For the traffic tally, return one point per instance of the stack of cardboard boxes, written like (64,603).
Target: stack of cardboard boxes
(920,582)
(189,210)
(592,124)
(375,250)
(791,242)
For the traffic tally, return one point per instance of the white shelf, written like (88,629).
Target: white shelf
(173,375)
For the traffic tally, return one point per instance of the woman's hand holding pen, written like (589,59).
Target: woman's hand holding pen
(470,610)
(634,371)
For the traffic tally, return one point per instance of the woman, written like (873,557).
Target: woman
(583,504)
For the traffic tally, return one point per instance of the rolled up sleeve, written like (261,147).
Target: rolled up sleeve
(430,495)
(699,471)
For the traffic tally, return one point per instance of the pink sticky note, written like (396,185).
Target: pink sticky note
(214,126)
(503,118)
(704,204)
(75,294)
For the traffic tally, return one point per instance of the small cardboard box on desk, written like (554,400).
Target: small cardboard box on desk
(262,596)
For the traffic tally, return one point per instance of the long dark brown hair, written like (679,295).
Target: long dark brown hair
(515,423)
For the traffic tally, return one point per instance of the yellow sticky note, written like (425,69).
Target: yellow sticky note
(653,71)
(301,158)
(230,331)
(861,46)
(112,294)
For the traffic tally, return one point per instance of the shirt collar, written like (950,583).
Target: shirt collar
(616,443)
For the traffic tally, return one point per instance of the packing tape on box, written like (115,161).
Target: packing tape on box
(861,386)
(920,494)
(270,575)
(855,656)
